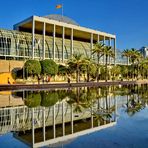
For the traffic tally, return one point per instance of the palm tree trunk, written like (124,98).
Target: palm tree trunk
(98,69)
(137,71)
(88,75)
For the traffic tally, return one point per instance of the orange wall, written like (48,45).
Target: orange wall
(4,78)
(5,65)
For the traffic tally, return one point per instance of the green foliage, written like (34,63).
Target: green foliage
(32,67)
(17,73)
(33,99)
(49,98)
(62,70)
(93,70)
(49,67)
(115,71)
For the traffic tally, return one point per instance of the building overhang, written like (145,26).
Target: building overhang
(79,32)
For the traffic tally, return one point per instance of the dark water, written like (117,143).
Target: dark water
(105,117)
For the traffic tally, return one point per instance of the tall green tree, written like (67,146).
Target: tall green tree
(88,67)
(108,52)
(135,59)
(144,68)
(98,49)
(127,53)
(49,67)
(75,62)
(32,67)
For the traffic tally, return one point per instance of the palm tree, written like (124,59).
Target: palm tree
(144,67)
(108,52)
(87,64)
(135,58)
(79,100)
(115,71)
(75,62)
(97,49)
(127,53)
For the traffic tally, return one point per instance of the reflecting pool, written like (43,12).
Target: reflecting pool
(107,116)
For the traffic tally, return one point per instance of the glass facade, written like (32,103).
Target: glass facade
(17,44)
(119,58)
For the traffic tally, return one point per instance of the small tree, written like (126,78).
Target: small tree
(62,70)
(49,67)
(32,67)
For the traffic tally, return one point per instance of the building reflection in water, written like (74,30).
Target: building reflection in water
(49,117)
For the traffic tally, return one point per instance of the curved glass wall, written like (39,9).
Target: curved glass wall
(18,45)
(119,58)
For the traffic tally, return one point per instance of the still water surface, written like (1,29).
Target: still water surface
(105,117)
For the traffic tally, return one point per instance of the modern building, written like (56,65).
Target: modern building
(50,37)
(144,51)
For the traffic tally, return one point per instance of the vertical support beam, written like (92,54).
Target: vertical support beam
(54,132)
(109,45)
(98,38)
(115,51)
(24,116)
(91,45)
(104,55)
(72,42)
(24,57)
(33,36)
(11,112)
(109,104)
(44,130)
(54,34)
(115,101)
(44,33)
(63,118)
(72,119)
(33,136)
(91,41)
(92,118)
(63,43)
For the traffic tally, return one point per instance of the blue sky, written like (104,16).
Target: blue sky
(128,19)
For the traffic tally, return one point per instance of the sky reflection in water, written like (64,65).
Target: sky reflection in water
(130,131)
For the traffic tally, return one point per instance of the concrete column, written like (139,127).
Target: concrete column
(63,118)
(44,130)
(63,43)
(72,119)
(54,33)
(91,41)
(115,51)
(115,101)
(54,130)
(72,42)
(109,41)
(104,55)
(98,38)
(24,116)
(33,37)
(44,34)
(91,45)
(33,140)
(92,118)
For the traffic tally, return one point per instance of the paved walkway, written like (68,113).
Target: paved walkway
(53,85)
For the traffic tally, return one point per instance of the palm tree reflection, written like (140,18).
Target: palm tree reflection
(88,98)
